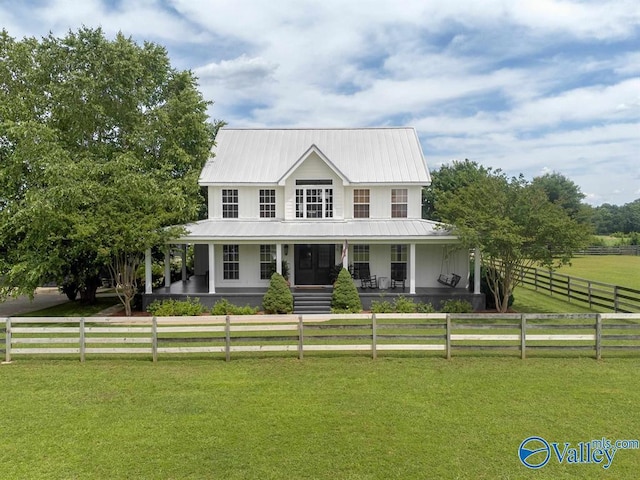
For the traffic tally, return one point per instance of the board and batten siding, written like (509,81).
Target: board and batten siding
(248,201)
(313,168)
(380,200)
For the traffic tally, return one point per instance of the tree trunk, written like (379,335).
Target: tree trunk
(89,289)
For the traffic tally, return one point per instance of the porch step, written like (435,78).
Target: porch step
(312,302)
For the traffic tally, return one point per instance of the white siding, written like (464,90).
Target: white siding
(313,168)
(430,263)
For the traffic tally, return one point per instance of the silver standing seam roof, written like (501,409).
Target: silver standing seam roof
(361,155)
(322,231)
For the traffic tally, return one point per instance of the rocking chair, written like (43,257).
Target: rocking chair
(366,279)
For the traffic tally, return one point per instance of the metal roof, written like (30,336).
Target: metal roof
(369,231)
(361,155)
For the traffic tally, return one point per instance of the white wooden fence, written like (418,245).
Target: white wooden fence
(447,333)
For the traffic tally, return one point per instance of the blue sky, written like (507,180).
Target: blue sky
(529,86)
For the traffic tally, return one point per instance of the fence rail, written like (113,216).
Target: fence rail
(586,292)
(619,250)
(445,333)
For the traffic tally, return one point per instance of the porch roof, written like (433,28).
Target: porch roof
(319,231)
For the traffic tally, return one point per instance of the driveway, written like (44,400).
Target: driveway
(43,298)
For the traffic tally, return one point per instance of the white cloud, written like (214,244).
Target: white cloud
(517,84)
(240,72)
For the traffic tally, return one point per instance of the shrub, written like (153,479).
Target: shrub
(404,305)
(278,298)
(176,308)
(425,308)
(381,306)
(456,306)
(345,298)
(225,307)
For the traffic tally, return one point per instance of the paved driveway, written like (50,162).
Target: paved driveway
(43,298)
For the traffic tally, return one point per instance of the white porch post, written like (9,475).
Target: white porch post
(184,262)
(167,267)
(279,258)
(148,287)
(476,271)
(412,269)
(212,268)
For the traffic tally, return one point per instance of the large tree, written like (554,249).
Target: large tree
(515,226)
(101,144)
(449,178)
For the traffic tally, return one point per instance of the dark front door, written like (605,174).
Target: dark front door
(313,264)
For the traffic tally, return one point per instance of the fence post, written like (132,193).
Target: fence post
(598,336)
(448,337)
(535,278)
(551,282)
(589,288)
(300,338)
(374,337)
(82,340)
(154,339)
(227,338)
(523,336)
(7,340)
(615,298)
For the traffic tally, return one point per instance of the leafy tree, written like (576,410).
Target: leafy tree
(449,178)
(565,193)
(515,226)
(101,144)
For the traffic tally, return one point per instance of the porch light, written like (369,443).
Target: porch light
(286,250)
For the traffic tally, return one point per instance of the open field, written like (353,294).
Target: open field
(324,417)
(621,270)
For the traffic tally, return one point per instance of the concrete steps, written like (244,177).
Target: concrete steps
(307,302)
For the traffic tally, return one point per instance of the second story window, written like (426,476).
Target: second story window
(229,203)
(267,203)
(361,203)
(314,201)
(398,203)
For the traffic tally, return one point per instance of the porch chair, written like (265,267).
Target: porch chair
(366,279)
(398,276)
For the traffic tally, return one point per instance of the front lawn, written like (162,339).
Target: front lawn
(329,416)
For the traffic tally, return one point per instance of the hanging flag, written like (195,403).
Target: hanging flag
(345,251)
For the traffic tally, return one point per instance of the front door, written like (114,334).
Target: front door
(313,264)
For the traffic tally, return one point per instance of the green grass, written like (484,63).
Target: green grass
(530,301)
(623,270)
(323,418)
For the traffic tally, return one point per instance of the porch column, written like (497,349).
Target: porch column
(212,268)
(476,271)
(184,262)
(345,255)
(279,258)
(148,287)
(412,269)
(167,267)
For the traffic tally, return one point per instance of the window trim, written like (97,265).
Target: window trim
(397,203)
(267,264)
(231,262)
(230,203)
(358,196)
(267,200)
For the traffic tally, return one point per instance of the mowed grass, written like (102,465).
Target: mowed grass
(327,417)
(623,270)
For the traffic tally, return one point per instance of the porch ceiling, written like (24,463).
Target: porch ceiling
(321,231)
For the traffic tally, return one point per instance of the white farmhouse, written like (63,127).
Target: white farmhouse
(308,200)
